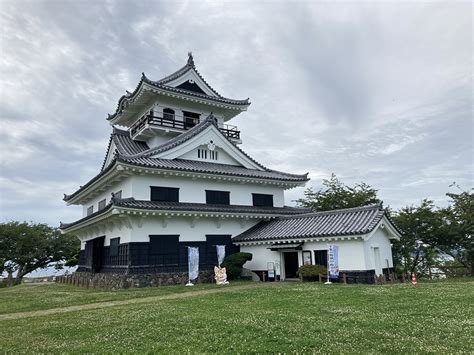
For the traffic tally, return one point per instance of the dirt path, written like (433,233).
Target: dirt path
(97,305)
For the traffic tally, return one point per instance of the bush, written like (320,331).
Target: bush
(311,272)
(234,263)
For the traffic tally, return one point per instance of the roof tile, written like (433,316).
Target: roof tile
(351,221)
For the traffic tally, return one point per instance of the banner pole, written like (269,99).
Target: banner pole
(328,282)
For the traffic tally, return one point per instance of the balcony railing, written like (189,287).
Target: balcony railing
(186,123)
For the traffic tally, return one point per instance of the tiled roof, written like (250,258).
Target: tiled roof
(161,84)
(124,144)
(351,221)
(189,207)
(212,168)
(138,153)
(178,140)
(189,65)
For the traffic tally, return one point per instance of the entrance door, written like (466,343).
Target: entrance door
(291,264)
(97,249)
(377,262)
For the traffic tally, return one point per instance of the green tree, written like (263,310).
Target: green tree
(337,195)
(419,224)
(456,234)
(25,247)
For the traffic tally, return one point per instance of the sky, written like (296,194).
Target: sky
(375,92)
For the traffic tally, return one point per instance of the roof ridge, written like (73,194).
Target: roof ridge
(162,84)
(187,67)
(338,211)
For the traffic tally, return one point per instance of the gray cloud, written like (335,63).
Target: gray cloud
(375,92)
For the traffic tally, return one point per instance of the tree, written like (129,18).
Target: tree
(25,247)
(337,195)
(419,224)
(456,233)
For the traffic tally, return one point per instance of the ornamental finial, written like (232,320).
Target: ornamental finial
(190,59)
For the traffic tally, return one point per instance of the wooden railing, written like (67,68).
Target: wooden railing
(186,123)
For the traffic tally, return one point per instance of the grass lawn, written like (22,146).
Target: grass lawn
(286,317)
(33,297)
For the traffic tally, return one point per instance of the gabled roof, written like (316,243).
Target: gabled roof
(131,203)
(123,144)
(350,221)
(139,154)
(163,84)
(186,136)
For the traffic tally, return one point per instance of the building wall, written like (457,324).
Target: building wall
(222,156)
(194,190)
(379,239)
(129,229)
(188,229)
(134,234)
(352,255)
(124,185)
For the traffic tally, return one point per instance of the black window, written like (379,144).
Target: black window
(168,114)
(165,194)
(262,200)
(102,204)
(321,257)
(190,119)
(114,246)
(164,249)
(218,197)
(90,210)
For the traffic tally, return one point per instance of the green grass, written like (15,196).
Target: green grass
(288,317)
(33,297)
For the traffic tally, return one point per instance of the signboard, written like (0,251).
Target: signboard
(307,257)
(333,261)
(271,270)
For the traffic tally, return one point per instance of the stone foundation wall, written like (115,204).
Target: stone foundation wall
(118,281)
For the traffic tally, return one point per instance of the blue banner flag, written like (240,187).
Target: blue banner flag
(333,261)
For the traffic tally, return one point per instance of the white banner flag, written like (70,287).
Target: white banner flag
(333,261)
(193,263)
(220,254)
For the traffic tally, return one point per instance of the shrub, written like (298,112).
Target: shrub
(311,272)
(234,263)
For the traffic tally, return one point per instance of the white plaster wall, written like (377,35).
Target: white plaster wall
(180,105)
(260,257)
(351,253)
(379,239)
(222,156)
(194,190)
(116,232)
(158,139)
(188,229)
(124,185)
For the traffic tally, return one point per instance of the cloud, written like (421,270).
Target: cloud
(374,92)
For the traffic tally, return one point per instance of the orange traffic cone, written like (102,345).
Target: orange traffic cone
(413,279)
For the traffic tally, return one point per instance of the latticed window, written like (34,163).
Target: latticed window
(168,114)
(164,194)
(207,154)
(102,204)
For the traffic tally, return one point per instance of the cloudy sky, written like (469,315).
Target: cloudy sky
(379,92)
